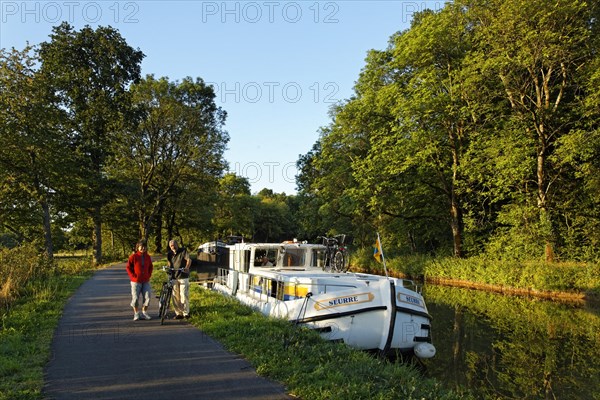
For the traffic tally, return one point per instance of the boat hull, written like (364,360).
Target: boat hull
(367,312)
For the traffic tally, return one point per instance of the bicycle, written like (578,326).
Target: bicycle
(164,300)
(336,253)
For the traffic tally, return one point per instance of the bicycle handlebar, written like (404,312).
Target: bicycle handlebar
(338,239)
(326,238)
(171,271)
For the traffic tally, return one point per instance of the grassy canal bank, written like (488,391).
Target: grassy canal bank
(568,281)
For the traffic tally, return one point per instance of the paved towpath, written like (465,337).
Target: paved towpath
(99,352)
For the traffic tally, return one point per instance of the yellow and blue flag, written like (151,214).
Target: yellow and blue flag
(377,251)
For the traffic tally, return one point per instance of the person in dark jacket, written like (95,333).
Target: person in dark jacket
(178,258)
(139,268)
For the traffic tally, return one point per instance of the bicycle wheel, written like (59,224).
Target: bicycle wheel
(161,301)
(165,306)
(346,266)
(339,262)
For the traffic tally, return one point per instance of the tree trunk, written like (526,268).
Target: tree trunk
(47,230)
(159,223)
(171,226)
(143,230)
(97,217)
(545,218)
(42,198)
(455,209)
(457,227)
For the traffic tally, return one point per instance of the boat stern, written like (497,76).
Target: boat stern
(413,322)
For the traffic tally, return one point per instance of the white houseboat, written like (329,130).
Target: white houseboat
(369,312)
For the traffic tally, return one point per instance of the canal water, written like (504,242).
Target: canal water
(505,347)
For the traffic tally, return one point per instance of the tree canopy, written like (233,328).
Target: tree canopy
(87,144)
(474,131)
(469,133)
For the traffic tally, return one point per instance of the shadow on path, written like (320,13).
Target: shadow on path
(99,352)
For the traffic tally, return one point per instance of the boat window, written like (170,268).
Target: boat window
(294,257)
(318,258)
(246,265)
(265,258)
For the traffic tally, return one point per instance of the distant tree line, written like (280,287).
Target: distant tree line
(92,155)
(475,131)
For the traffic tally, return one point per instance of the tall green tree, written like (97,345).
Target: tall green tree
(579,154)
(432,96)
(537,50)
(310,223)
(400,140)
(91,71)
(31,148)
(273,219)
(174,158)
(235,208)
(328,192)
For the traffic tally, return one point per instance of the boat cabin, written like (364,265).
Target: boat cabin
(245,257)
(282,271)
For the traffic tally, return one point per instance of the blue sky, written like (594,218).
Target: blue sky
(277,66)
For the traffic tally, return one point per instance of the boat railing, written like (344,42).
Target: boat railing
(411,285)
(222,274)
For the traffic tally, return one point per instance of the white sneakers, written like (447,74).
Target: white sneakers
(143,315)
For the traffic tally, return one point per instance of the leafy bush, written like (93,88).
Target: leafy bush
(20,267)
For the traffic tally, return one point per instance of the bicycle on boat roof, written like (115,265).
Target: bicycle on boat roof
(336,253)
(164,300)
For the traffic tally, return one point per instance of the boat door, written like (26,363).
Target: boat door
(239,263)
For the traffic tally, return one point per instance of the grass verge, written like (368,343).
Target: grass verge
(28,326)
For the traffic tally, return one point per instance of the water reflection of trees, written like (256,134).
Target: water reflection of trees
(505,347)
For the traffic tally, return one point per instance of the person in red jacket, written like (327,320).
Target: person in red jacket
(139,268)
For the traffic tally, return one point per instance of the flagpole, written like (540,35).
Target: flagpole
(382,256)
